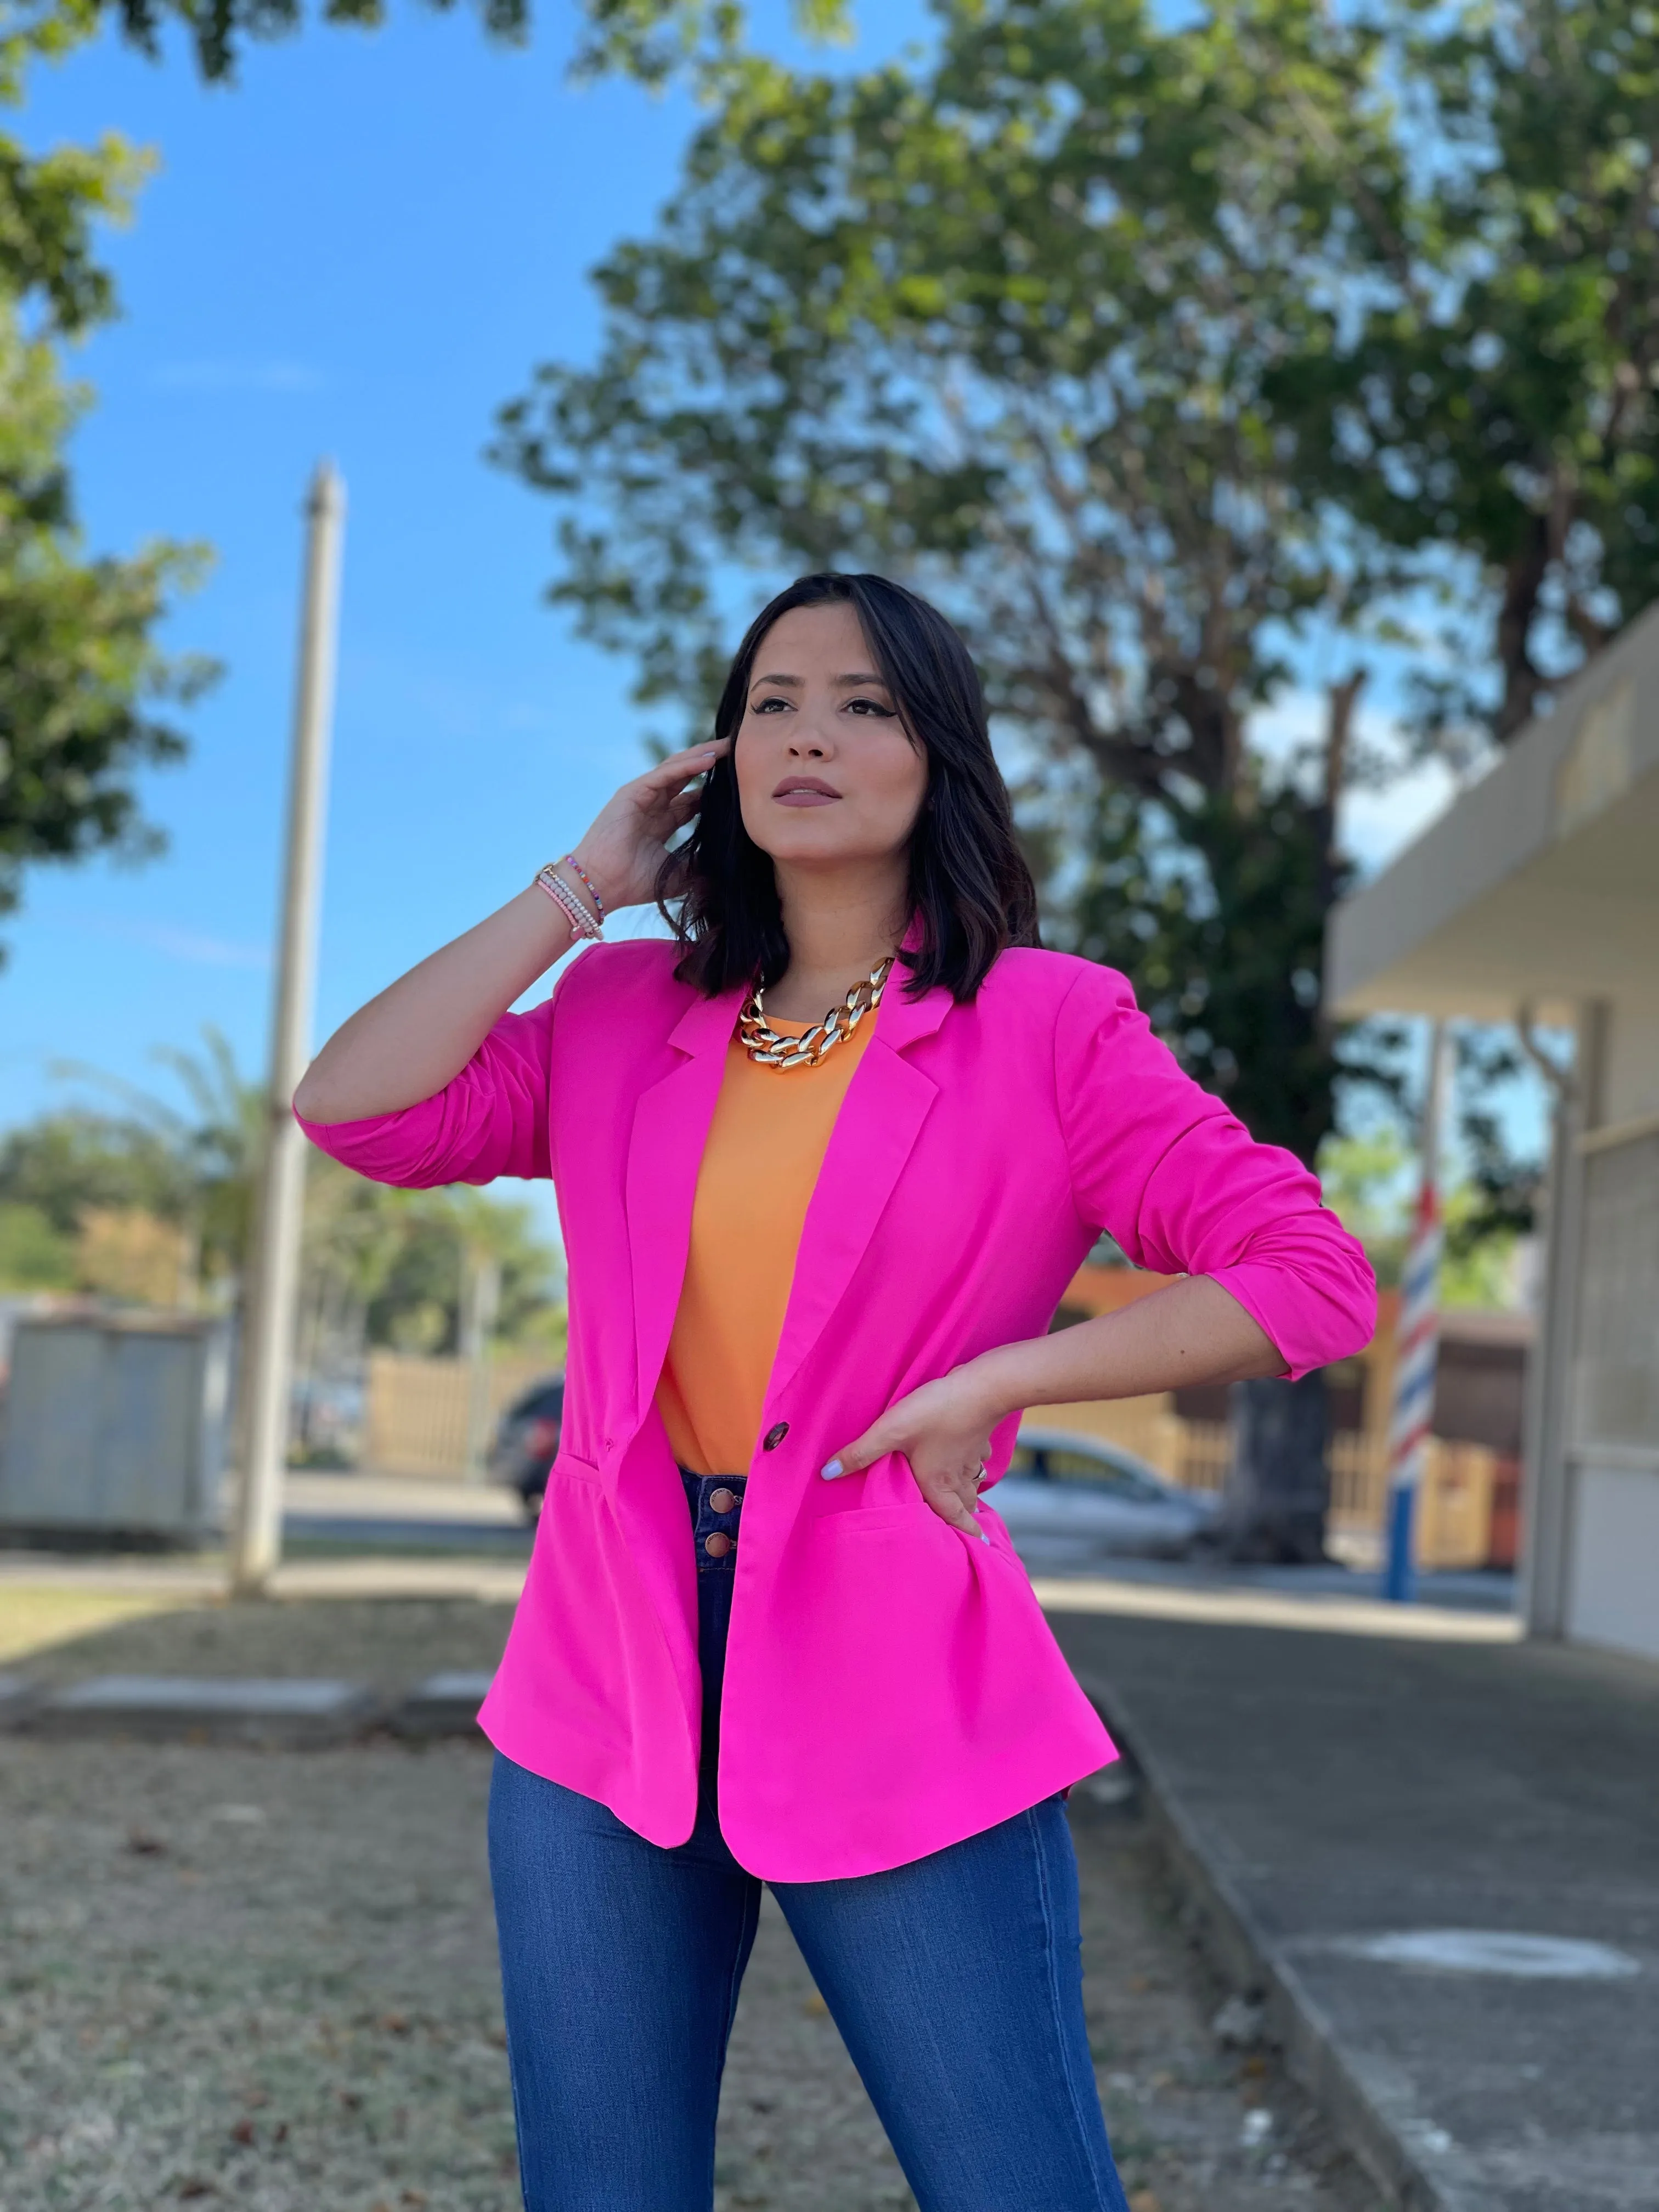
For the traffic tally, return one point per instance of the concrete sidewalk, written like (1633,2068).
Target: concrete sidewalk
(1367,1823)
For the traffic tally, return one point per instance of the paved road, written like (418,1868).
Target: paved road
(330,1513)
(381,1512)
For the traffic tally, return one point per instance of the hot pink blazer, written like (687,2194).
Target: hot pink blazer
(892,1685)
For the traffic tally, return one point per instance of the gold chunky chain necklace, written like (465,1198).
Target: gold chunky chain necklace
(765,1044)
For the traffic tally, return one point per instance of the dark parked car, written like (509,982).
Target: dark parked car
(1070,1499)
(526,1439)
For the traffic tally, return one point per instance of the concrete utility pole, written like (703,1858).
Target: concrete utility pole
(481,1297)
(1416,1351)
(273,1277)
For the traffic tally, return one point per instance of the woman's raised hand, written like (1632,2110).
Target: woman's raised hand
(622,851)
(421,1030)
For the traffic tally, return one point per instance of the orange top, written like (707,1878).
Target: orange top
(766,1144)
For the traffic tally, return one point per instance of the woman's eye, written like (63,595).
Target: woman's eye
(870,707)
(766,706)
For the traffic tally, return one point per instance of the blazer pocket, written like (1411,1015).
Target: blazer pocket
(579,1470)
(875,1520)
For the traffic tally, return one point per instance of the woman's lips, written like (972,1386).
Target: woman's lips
(799,795)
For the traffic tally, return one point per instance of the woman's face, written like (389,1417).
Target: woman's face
(825,772)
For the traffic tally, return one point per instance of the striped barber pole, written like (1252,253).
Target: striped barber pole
(1415,1362)
(1418,1353)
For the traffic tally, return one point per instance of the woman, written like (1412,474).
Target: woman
(817,1251)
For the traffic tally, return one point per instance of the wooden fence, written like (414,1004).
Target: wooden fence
(416,1420)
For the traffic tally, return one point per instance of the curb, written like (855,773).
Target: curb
(18,1695)
(297,1712)
(1370,2121)
(444,1704)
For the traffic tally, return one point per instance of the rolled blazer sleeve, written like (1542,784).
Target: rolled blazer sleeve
(489,1121)
(1184,1188)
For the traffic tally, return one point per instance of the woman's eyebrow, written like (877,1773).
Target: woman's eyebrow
(796,682)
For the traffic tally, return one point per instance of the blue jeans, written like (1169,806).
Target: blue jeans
(956,1982)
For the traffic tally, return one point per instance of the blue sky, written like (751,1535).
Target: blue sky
(360,250)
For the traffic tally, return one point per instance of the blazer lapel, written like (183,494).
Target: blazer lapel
(881,1116)
(665,1151)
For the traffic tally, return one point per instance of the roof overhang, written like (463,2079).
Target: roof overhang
(1538,885)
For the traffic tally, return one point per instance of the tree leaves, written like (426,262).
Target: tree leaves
(381,1263)
(1492,392)
(81,677)
(82,680)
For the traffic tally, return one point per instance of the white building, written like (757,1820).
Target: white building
(1536,896)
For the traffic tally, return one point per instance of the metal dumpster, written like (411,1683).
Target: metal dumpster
(115,1427)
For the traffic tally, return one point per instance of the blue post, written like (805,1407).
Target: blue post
(1400,1575)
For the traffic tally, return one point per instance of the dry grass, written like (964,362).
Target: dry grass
(35,1621)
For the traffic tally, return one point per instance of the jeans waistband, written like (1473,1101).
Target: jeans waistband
(714,1527)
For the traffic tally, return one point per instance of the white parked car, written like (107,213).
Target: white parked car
(1070,1499)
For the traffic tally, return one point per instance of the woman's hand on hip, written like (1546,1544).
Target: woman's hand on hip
(943,1431)
(623,848)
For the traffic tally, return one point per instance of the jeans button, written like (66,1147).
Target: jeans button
(722,1501)
(774,1436)
(718,1545)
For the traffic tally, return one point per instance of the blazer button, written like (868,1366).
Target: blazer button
(774,1436)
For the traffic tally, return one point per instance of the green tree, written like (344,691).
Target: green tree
(33,1255)
(415,1305)
(651,40)
(82,683)
(379,1265)
(80,675)
(61,1164)
(194,1166)
(1486,411)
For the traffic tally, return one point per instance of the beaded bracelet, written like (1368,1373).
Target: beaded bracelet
(581,922)
(571,861)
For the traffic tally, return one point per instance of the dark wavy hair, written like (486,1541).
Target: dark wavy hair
(969,884)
